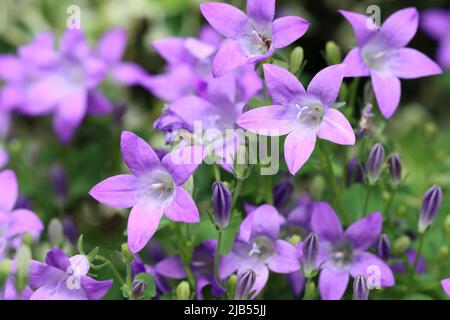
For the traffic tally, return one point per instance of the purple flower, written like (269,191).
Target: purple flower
(202,265)
(251,38)
(446,286)
(171,124)
(64,278)
(9,291)
(381,54)
(153,188)
(258,247)
(345,253)
(4,158)
(436,22)
(302,115)
(14,223)
(411,256)
(355,171)
(138,266)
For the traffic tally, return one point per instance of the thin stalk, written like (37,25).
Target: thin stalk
(184,258)
(309,289)
(366,200)
(112,268)
(217,256)
(236,192)
(389,203)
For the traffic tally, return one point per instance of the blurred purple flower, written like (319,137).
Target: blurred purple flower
(355,171)
(411,256)
(59,181)
(153,188)
(9,291)
(381,54)
(138,266)
(251,38)
(4,157)
(202,265)
(14,223)
(446,286)
(70,229)
(258,247)
(170,124)
(345,253)
(299,114)
(436,22)
(64,278)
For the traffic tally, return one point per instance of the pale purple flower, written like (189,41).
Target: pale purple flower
(344,253)
(436,23)
(381,54)
(14,223)
(302,115)
(64,278)
(446,286)
(258,247)
(9,291)
(4,157)
(251,38)
(153,188)
(202,265)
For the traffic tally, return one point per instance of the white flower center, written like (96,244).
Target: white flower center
(158,188)
(310,115)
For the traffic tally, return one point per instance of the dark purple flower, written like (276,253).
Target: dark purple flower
(251,38)
(281,193)
(258,247)
(14,223)
(64,278)
(59,181)
(222,201)
(430,205)
(435,23)
(70,229)
(355,171)
(383,247)
(381,54)
(202,265)
(153,188)
(411,256)
(302,115)
(344,253)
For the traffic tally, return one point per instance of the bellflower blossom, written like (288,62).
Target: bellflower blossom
(153,188)
(446,286)
(64,278)
(251,38)
(436,22)
(202,265)
(343,254)
(381,54)
(301,114)
(14,223)
(258,247)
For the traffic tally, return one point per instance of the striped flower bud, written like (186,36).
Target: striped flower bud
(383,247)
(310,252)
(360,288)
(222,201)
(430,206)
(395,168)
(375,163)
(244,284)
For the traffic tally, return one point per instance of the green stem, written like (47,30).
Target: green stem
(366,201)
(310,290)
(268,190)
(184,258)
(237,191)
(112,268)
(333,180)
(419,252)
(217,256)
(216,172)
(389,203)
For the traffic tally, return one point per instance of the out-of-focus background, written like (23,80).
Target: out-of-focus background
(419,131)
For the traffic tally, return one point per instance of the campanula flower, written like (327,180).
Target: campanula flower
(64,278)
(251,38)
(302,115)
(436,22)
(258,247)
(344,253)
(153,188)
(411,254)
(202,265)
(381,54)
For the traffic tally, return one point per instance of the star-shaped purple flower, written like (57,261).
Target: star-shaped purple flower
(436,23)
(14,223)
(344,254)
(153,188)
(381,54)
(64,278)
(251,38)
(258,247)
(202,265)
(301,114)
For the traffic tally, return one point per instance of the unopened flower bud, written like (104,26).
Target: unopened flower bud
(59,181)
(126,253)
(375,162)
(401,244)
(447,225)
(23,259)
(333,53)
(360,288)
(5,269)
(222,201)
(138,288)
(383,247)
(310,252)
(244,284)
(395,168)
(355,173)
(443,253)
(296,59)
(182,291)
(55,232)
(281,193)
(430,206)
